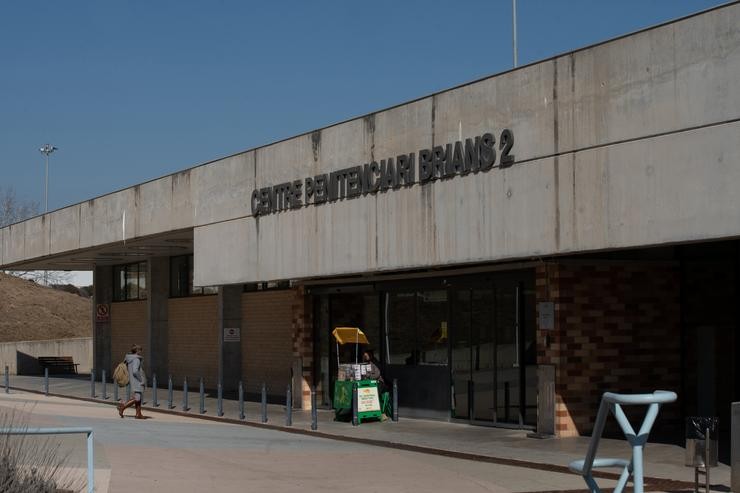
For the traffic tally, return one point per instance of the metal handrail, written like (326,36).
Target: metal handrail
(62,431)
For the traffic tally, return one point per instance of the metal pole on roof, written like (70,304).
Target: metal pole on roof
(513,30)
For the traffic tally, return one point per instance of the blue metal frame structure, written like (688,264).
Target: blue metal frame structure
(611,402)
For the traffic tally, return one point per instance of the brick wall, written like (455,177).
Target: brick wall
(128,326)
(617,328)
(267,340)
(302,327)
(193,340)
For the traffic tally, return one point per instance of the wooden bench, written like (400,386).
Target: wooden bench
(612,403)
(58,365)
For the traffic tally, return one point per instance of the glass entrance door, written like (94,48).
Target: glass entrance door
(492,352)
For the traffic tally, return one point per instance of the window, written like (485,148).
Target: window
(129,282)
(181,278)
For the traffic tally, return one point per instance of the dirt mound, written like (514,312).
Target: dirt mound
(31,312)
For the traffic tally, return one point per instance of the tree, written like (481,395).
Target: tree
(13,210)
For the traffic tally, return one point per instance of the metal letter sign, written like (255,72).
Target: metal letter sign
(474,155)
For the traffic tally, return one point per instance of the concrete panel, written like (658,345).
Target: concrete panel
(3,246)
(182,206)
(489,215)
(87,212)
(287,243)
(225,253)
(293,159)
(406,230)
(346,231)
(521,101)
(221,190)
(154,210)
(65,229)
(36,243)
(16,241)
(676,76)
(108,224)
(673,188)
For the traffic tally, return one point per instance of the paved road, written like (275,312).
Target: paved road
(179,454)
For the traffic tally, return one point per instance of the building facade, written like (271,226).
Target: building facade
(513,247)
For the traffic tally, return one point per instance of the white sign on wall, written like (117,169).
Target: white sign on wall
(232,335)
(546,311)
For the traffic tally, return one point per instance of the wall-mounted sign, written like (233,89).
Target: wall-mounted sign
(474,155)
(546,312)
(232,334)
(102,312)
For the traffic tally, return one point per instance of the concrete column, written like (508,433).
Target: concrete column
(102,297)
(158,284)
(230,352)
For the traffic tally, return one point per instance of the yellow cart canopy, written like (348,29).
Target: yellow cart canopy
(349,335)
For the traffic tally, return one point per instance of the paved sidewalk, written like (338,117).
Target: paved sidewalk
(492,445)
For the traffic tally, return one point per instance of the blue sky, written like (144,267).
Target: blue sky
(133,90)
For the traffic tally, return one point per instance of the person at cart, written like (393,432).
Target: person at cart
(368,357)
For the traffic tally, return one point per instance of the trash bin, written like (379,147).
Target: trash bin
(701,441)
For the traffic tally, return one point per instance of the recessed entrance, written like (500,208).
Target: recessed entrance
(460,347)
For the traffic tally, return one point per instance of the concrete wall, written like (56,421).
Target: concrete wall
(628,143)
(22,355)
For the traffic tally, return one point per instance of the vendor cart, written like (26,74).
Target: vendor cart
(354,375)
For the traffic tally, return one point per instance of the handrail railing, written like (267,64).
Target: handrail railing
(62,431)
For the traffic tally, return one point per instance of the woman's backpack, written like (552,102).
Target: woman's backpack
(120,374)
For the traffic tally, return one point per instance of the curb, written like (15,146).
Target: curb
(650,482)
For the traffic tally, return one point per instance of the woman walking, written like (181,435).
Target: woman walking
(136,379)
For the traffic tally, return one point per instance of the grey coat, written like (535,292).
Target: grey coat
(135,373)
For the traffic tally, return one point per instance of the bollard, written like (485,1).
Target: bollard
(155,402)
(92,383)
(104,384)
(314,411)
(355,417)
(264,403)
(288,407)
(115,392)
(202,397)
(128,391)
(46,382)
(471,400)
(506,401)
(7,380)
(220,402)
(241,401)
(185,395)
(170,405)
(395,400)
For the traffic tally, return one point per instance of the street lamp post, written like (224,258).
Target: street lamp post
(46,149)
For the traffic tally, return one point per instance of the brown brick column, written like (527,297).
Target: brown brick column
(302,322)
(617,328)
